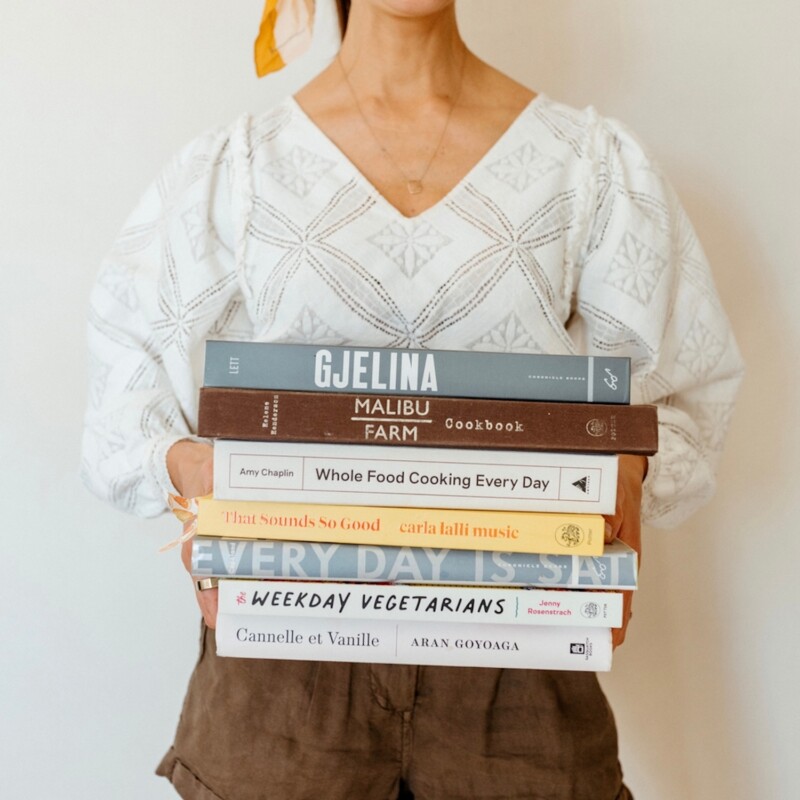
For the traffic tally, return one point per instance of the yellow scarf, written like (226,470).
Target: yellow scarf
(285,34)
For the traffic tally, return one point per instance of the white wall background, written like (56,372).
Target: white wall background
(97,631)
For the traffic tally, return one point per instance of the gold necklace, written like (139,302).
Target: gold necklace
(413,185)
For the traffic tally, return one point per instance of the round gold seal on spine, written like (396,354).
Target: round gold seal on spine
(596,427)
(570,535)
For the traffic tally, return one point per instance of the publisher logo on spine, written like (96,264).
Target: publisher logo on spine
(596,427)
(584,649)
(570,535)
(590,610)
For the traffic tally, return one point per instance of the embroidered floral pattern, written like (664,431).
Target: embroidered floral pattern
(523,167)
(410,244)
(510,336)
(701,350)
(200,231)
(310,328)
(636,269)
(299,170)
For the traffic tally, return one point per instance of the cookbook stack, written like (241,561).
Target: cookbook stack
(416,506)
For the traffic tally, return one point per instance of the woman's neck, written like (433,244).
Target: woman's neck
(407,104)
(395,60)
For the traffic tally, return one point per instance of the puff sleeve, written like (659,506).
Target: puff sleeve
(643,289)
(168,280)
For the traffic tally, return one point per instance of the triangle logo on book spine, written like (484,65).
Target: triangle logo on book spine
(582,484)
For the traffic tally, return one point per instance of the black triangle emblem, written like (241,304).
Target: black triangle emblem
(582,484)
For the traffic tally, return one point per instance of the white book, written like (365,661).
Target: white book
(420,603)
(425,477)
(471,644)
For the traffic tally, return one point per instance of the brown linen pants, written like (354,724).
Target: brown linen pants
(298,730)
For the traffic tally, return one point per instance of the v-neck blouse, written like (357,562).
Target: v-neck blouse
(563,238)
(341,158)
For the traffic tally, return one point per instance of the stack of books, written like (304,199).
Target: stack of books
(416,506)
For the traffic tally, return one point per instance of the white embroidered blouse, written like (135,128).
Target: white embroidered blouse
(564,238)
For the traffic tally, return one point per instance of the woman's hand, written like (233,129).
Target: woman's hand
(625,524)
(191,468)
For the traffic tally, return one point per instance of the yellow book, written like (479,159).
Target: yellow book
(459,529)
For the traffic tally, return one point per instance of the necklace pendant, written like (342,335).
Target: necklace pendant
(414,187)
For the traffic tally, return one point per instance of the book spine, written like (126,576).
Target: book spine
(524,532)
(322,561)
(283,416)
(421,643)
(413,476)
(417,603)
(300,367)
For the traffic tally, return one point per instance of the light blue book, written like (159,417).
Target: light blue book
(249,558)
(452,373)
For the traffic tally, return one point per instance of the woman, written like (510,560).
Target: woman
(409,196)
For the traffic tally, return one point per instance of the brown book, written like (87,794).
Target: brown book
(340,418)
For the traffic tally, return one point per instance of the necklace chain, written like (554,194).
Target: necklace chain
(413,185)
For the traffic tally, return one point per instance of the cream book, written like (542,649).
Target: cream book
(415,476)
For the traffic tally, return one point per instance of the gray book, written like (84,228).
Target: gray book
(453,373)
(248,558)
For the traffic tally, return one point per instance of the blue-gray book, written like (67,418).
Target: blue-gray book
(251,558)
(452,373)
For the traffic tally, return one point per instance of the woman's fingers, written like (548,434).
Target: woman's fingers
(618,634)
(208,600)
(191,467)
